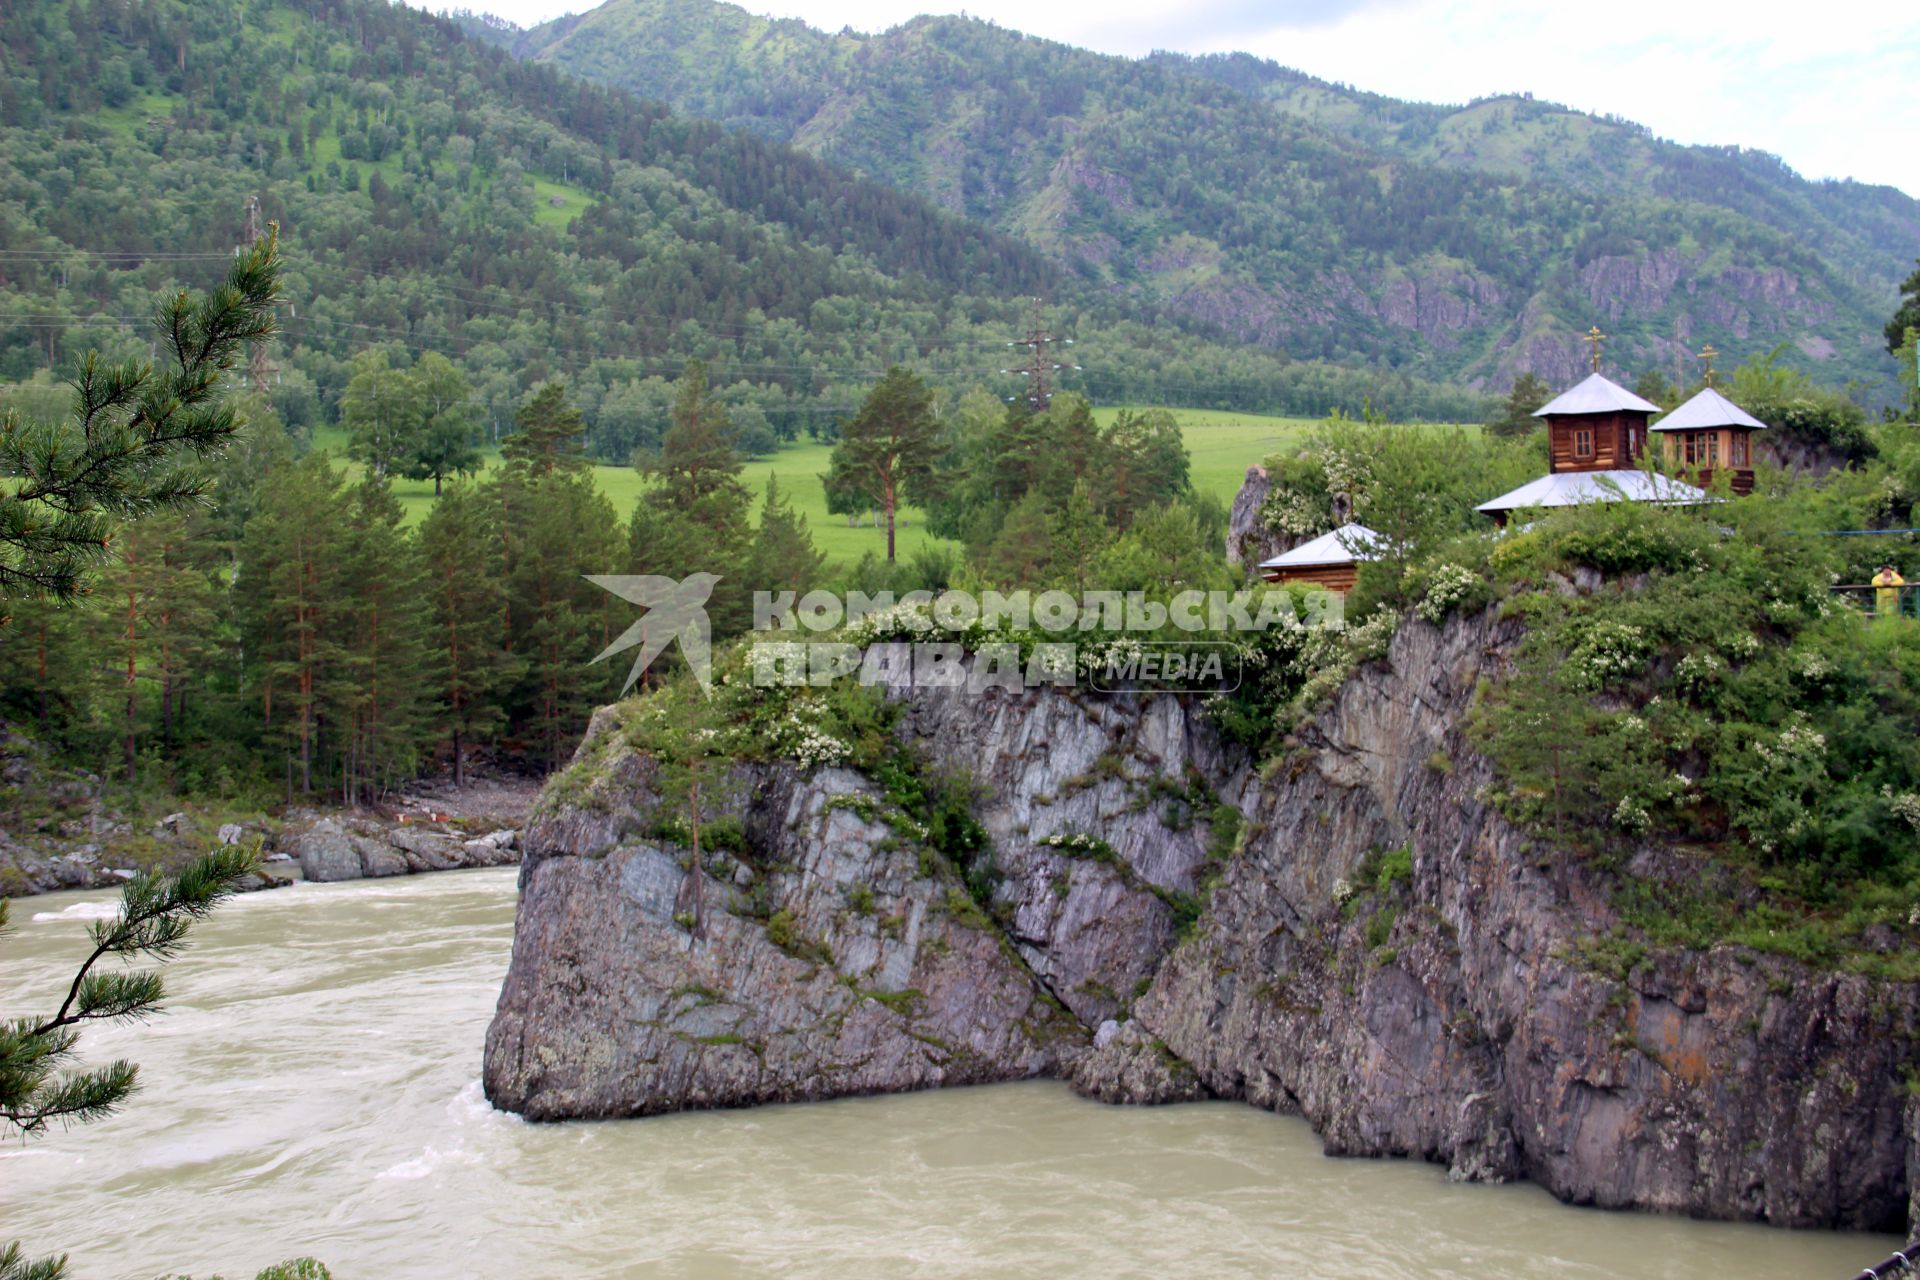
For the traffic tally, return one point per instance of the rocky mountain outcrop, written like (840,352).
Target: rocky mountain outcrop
(863,972)
(1470,1013)
(839,956)
(1378,951)
(1249,541)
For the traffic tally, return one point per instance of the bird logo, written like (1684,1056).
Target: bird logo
(675,611)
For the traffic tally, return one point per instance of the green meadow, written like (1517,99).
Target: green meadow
(1222,446)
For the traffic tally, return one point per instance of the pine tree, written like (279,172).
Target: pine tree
(1076,448)
(183,615)
(291,601)
(698,469)
(156,615)
(889,446)
(550,434)
(45,666)
(783,557)
(384,699)
(137,440)
(699,489)
(472,672)
(567,530)
(1143,463)
(1515,415)
(1022,552)
(114,630)
(1078,536)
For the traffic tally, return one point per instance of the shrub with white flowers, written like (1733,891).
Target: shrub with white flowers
(1446,587)
(1077,844)
(1632,817)
(1905,805)
(801,740)
(1798,744)
(1697,671)
(1610,651)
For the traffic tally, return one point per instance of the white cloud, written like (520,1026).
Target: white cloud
(1828,87)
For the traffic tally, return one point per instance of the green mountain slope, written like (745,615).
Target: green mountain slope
(1868,231)
(437,194)
(1294,214)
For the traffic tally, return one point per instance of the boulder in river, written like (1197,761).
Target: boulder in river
(378,859)
(326,852)
(426,850)
(490,850)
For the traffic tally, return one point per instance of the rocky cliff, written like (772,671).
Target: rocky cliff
(1249,541)
(1348,933)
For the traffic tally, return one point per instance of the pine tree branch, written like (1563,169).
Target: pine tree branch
(155,914)
(15,1267)
(77,1099)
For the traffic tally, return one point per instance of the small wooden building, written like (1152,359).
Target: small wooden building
(1598,433)
(1710,434)
(1597,426)
(1331,560)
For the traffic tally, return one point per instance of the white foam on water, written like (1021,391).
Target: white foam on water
(468,1110)
(426,1164)
(104,910)
(470,1106)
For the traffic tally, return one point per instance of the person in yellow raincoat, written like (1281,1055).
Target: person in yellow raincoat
(1886,599)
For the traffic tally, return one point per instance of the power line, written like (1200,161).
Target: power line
(1040,366)
(257,365)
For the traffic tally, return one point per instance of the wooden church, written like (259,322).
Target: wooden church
(1597,433)
(1711,435)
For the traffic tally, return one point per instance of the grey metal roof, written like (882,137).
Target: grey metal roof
(1705,411)
(1598,394)
(1348,543)
(1571,488)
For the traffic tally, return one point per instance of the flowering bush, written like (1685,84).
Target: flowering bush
(1609,652)
(1631,817)
(1077,842)
(1696,673)
(1290,671)
(1905,806)
(1447,586)
(810,746)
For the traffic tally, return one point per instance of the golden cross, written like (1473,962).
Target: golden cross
(1594,338)
(1707,357)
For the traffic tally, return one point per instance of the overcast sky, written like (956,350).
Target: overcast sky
(1832,86)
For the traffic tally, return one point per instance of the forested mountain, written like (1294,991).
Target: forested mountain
(436,195)
(1866,231)
(1467,242)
